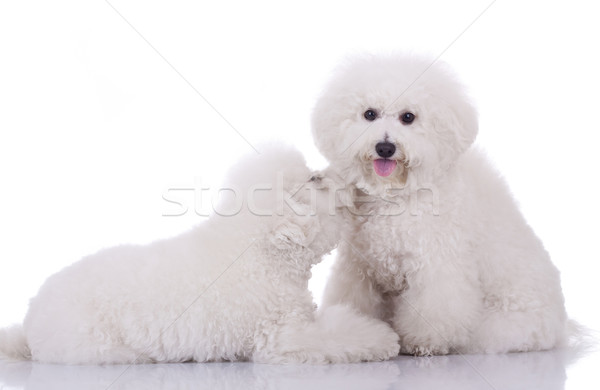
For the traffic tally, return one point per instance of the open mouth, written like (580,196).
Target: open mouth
(384,167)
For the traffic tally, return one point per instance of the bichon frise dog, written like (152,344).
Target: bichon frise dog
(436,244)
(233,288)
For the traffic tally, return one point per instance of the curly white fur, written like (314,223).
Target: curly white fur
(438,248)
(233,288)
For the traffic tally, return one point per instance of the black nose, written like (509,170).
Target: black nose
(385,149)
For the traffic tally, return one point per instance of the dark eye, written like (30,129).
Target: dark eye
(370,115)
(407,118)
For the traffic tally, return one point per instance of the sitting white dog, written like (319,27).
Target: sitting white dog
(233,288)
(436,244)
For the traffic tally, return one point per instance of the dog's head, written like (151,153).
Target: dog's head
(384,121)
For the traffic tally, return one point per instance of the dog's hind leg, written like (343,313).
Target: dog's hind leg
(528,329)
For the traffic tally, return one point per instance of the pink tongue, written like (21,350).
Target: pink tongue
(384,167)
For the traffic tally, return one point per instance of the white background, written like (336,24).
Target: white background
(97,122)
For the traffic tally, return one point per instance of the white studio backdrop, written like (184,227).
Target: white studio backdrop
(105,105)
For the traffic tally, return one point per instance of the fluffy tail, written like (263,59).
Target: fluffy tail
(580,342)
(13,344)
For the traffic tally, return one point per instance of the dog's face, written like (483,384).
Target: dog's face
(384,121)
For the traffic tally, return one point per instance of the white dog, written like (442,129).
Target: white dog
(233,288)
(436,244)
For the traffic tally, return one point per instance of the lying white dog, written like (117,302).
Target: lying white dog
(436,243)
(233,288)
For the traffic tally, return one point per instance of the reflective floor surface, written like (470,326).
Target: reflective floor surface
(567,369)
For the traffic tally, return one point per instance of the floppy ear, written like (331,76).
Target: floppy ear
(466,123)
(456,127)
(325,128)
(453,114)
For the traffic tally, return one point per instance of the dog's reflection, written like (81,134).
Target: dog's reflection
(536,370)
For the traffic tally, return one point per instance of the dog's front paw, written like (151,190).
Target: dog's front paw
(388,349)
(424,349)
(380,344)
(327,179)
(295,231)
(287,235)
(356,337)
